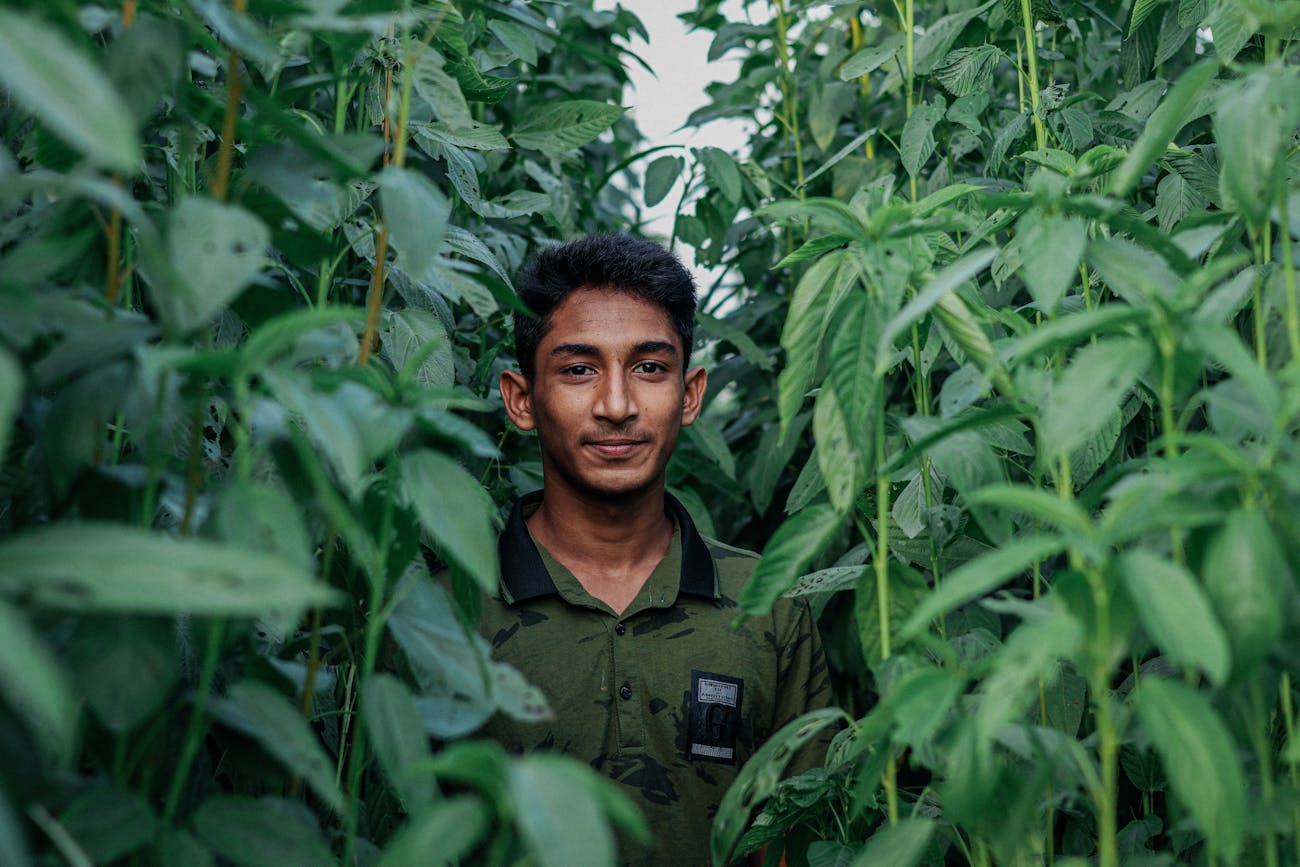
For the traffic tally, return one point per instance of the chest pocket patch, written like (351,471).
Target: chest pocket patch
(716,702)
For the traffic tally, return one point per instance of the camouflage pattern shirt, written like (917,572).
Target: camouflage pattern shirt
(666,698)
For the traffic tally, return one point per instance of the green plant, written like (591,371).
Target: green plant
(1044,493)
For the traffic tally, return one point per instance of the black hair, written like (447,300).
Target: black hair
(615,261)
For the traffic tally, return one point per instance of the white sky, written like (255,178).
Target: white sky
(662,102)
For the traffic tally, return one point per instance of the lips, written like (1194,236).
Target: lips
(615,448)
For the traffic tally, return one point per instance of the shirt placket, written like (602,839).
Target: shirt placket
(630,700)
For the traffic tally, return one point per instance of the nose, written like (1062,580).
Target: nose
(615,401)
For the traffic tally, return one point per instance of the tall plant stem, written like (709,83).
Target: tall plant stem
(882,577)
(1168,423)
(226,149)
(1031,54)
(1108,739)
(194,730)
(374,631)
(909,54)
(789,92)
(1288,720)
(375,295)
(1264,756)
(1288,276)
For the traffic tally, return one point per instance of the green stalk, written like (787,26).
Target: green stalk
(882,576)
(1108,739)
(194,731)
(1031,53)
(1288,275)
(1264,756)
(1168,424)
(909,37)
(1288,719)
(789,92)
(374,632)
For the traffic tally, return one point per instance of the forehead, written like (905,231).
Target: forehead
(607,317)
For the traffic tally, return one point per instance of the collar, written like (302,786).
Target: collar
(524,575)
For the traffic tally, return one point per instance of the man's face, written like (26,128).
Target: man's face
(609,395)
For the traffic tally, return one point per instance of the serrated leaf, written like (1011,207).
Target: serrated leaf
(793,546)
(967,71)
(96,567)
(917,142)
(1096,380)
(1199,757)
(35,687)
(944,282)
(660,176)
(1051,246)
(415,214)
(1175,612)
(53,79)
(455,511)
(561,127)
(1254,128)
(871,58)
(1161,127)
(215,252)
(407,336)
(269,718)
(839,457)
(805,326)
(706,435)
(722,170)
(516,39)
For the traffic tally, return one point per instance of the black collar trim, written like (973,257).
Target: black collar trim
(524,575)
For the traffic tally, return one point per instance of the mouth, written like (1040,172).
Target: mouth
(615,448)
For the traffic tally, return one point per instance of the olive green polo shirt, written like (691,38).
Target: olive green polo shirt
(666,698)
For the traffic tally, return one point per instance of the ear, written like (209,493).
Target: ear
(517,395)
(696,382)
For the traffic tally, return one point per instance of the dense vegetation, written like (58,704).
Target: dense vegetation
(1003,377)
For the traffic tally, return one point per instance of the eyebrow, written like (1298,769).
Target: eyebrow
(646,346)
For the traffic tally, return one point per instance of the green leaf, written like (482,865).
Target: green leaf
(871,58)
(793,546)
(944,282)
(415,213)
(124,667)
(53,79)
(516,39)
(105,567)
(1254,128)
(1051,246)
(981,575)
(407,335)
(14,850)
(455,511)
(1246,576)
(182,849)
(722,170)
(759,777)
(263,832)
(1142,9)
(901,845)
(441,835)
(215,251)
(906,590)
(660,176)
(108,822)
(933,46)
(917,142)
(839,457)
(561,127)
(1025,662)
(397,734)
(709,439)
(1161,127)
(1093,385)
(805,327)
(1175,612)
(440,91)
(967,71)
(1199,757)
(1042,504)
(35,686)
(557,811)
(854,333)
(268,717)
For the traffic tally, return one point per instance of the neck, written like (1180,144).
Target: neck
(610,546)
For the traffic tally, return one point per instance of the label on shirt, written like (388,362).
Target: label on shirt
(715,716)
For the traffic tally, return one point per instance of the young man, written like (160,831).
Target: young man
(610,600)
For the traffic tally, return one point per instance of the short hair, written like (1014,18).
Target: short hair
(614,261)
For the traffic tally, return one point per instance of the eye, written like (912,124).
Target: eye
(651,367)
(578,370)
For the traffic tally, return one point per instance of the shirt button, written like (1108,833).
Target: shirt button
(626,692)
(619,628)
